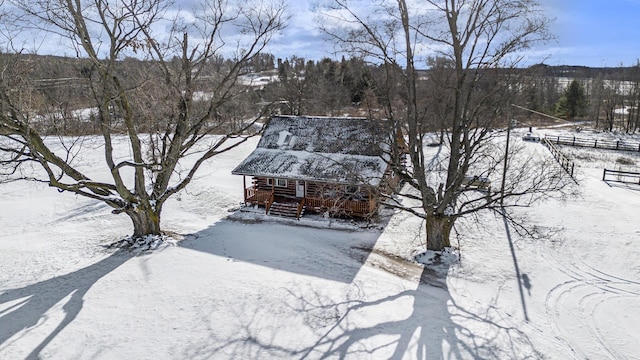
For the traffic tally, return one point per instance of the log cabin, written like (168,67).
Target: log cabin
(338,166)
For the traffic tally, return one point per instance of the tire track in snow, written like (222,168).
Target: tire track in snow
(596,330)
(611,288)
(584,308)
(572,307)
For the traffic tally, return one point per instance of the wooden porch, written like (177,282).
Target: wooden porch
(337,207)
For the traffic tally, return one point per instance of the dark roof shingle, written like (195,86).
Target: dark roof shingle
(330,149)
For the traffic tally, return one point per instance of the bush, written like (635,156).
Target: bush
(625,161)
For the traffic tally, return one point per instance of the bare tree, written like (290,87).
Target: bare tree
(633,119)
(293,89)
(612,100)
(479,38)
(166,94)
(438,94)
(595,101)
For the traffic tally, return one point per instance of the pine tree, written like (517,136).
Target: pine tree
(573,102)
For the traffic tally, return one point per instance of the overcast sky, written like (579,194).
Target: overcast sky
(593,33)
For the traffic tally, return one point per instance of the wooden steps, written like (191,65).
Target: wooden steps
(283,209)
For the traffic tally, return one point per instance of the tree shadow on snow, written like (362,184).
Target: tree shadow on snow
(365,321)
(24,309)
(436,327)
(325,253)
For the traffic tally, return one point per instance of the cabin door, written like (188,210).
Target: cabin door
(299,188)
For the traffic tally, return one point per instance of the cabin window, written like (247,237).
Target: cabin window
(278,182)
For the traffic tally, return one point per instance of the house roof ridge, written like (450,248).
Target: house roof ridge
(324,117)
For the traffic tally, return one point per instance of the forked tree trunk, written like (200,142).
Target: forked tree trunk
(438,230)
(145,222)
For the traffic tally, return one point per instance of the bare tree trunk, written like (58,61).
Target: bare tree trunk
(629,114)
(597,104)
(438,230)
(636,122)
(145,222)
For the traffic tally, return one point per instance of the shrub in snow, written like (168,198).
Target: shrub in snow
(447,256)
(145,243)
(625,161)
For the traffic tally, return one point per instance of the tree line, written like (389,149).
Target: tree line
(608,97)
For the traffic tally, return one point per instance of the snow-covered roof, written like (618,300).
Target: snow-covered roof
(329,149)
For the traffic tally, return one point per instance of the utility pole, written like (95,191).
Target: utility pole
(506,157)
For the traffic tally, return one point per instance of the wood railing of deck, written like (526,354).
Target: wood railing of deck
(269,202)
(257,196)
(365,208)
(300,207)
(353,207)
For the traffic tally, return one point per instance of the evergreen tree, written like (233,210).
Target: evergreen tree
(573,102)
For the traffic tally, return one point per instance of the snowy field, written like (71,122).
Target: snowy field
(239,285)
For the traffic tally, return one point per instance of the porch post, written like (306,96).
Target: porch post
(244,188)
(373,200)
(273,196)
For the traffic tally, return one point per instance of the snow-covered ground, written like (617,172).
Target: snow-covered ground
(244,286)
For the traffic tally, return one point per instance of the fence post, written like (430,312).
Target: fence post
(595,144)
(573,143)
(617,144)
(572,166)
(604,174)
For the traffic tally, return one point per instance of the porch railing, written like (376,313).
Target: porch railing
(268,203)
(300,207)
(257,196)
(348,207)
(365,207)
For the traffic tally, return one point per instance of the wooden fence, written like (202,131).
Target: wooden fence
(564,161)
(627,177)
(593,143)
